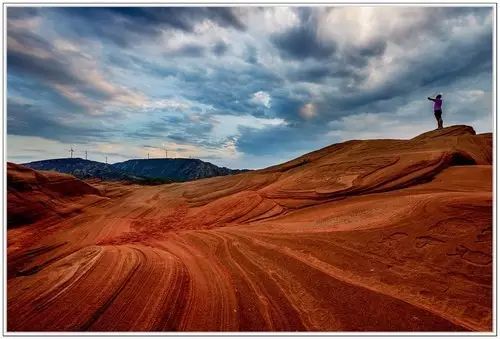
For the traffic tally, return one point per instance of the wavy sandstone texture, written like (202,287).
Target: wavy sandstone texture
(373,235)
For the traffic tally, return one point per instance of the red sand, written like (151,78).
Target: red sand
(375,235)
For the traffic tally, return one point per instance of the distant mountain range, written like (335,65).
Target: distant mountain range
(83,169)
(176,169)
(136,170)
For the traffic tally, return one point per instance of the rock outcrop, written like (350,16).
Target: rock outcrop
(35,195)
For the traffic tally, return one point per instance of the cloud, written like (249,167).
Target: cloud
(261,98)
(68,71)
(220,48)
(188,50)
(21,13)
(138,23)
(27,120)
(302,41)
(308,111)
(292,140)
(169,104)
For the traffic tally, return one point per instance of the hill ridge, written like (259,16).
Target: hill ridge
(135,170)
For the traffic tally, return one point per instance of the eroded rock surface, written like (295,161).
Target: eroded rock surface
(372,235)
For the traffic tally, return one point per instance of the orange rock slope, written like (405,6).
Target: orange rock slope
(371,235)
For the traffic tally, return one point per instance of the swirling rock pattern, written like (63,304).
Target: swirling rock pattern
(375,235)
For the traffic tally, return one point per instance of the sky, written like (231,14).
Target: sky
(242,87)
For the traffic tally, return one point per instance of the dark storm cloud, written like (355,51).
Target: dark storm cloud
(467,57)
(41,68)
(373,49)
(189,50)
(347,64)
(28,120)
(319,71)
(470,57)
(359,57)
(315,73)
(288,108)
(322,59)
(302,41)
(52,72)
(197,50)
(182,18)
(21,86)
(251,55)
(220,48)
(125,26)
(31,56)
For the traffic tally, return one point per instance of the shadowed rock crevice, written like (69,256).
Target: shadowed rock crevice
(461,159)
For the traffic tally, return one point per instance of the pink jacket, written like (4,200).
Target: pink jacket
(437,104)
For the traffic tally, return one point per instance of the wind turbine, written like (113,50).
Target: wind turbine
(165,149)
(71,151)
(85,154)
(106,159)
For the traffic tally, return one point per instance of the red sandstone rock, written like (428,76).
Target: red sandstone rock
(375,235)
(34,195)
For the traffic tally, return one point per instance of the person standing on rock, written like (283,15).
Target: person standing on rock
(438,102)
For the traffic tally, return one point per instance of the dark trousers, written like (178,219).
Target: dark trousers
(437,114)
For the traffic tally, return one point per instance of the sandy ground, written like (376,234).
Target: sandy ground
(374,235)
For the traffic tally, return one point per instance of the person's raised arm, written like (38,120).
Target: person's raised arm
(431,99)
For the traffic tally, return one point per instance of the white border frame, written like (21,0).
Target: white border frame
(236,3)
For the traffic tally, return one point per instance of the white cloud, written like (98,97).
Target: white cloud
(30,23)
(173,104)
(470,95)
(261,98)
(358,26)
(379,126)
(228,125)
(271,20)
